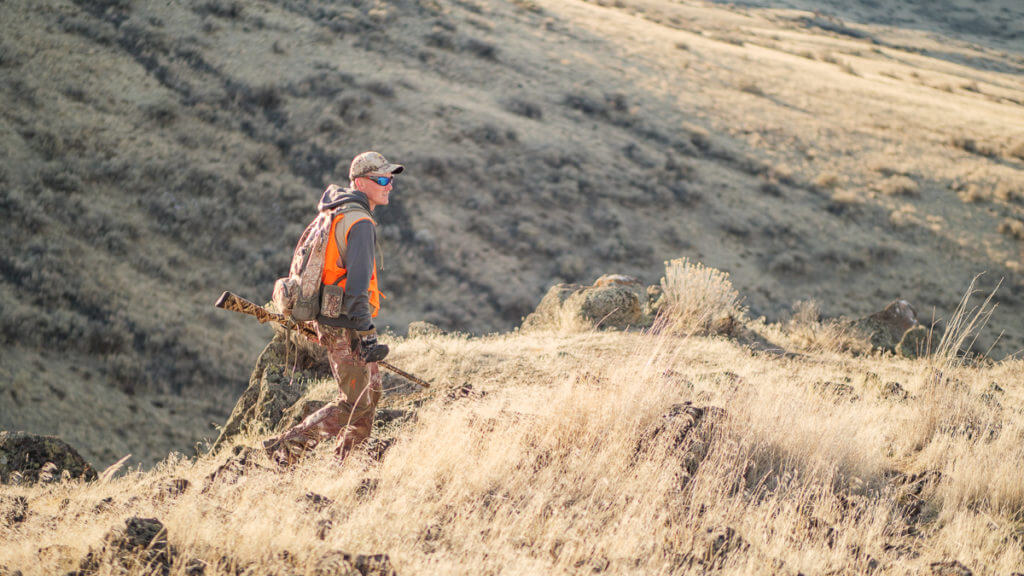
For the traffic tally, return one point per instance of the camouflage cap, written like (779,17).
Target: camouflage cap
(368,162)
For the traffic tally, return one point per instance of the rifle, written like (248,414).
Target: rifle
(235,303)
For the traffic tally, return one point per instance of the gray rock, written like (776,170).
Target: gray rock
(614,304)
(885,329)
(893,391)
(31,458)
(689,430)
(140,547)
(283,373)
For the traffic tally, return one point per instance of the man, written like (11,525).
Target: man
(348,334)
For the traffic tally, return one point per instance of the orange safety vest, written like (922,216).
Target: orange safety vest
(334,265)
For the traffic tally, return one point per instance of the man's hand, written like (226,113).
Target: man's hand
(369,349)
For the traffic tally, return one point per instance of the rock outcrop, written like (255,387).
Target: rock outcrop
(282,376)
(689,431)
(886,327)
(614,301)
(34,458)
(138,547)
(896,329)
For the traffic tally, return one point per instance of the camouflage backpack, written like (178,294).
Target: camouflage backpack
(297,295)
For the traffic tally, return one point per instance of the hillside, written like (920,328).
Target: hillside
(587,452)
(154,154)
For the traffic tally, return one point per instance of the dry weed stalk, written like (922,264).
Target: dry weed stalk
(964,325)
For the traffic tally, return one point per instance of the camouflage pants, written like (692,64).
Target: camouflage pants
(349,417)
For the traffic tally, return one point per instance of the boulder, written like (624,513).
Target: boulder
(616,303)
(885,328)
(33,458)
(689,431)
(140,547)
(284,371)
(893,391)
(648,295)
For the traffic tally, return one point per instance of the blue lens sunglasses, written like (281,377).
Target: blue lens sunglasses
(381,180)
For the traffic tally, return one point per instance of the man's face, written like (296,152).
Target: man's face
(376,193)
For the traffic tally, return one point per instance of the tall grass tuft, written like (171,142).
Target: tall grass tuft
(964,326)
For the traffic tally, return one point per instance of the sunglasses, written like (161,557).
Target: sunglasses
(381,180)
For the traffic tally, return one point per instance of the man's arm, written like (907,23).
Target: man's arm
(359,265)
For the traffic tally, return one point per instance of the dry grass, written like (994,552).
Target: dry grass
(807,330)
(556,469)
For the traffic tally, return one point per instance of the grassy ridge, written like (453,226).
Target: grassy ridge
(563,460)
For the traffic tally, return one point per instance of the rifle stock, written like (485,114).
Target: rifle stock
(235,303)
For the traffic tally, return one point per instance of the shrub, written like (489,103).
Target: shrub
(898,186)
(1012,228)
(973,146)
(162,113)
(61,177)
(480,49)
(697,299)
(440,39)
(528,5)
(380,88)
(220,8)
(751,88)
(1008,192)
(523,108)
(1016,150)
(826,180)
